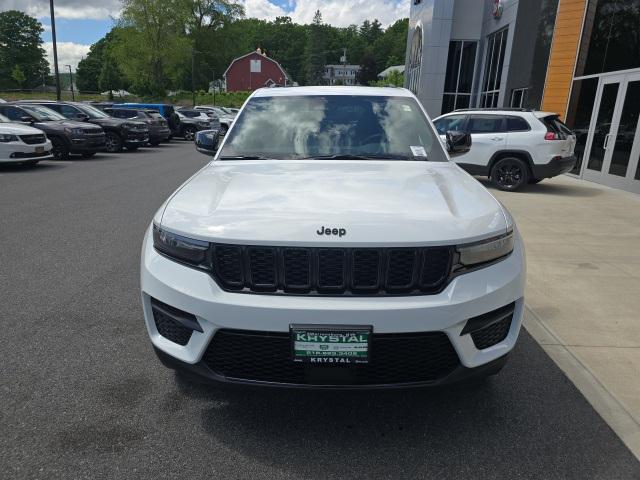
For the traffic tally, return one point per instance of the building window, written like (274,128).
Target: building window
(518,97)
(494,59)
(459,78)
(255,66)
(415,61)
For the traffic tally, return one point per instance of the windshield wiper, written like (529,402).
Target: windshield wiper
(347,156)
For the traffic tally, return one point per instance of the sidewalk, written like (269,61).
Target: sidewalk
(583,290)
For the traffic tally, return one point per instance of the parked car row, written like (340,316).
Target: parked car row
(33,130)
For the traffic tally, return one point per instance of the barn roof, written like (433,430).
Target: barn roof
(284,72)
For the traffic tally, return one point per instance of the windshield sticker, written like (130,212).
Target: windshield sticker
(418,151)
(406,108)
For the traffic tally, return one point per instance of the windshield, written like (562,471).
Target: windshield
(43,114)
(92,112)
(333,126)
(191,113)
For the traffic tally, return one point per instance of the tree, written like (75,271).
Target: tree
(316,57)
(110,78)
(368,69)
(21,45)
(18,76)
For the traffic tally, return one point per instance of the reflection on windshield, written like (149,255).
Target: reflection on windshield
(333,126)
(92,111)
(4,119)
(43,114)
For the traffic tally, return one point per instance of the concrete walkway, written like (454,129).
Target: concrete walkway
(583,290)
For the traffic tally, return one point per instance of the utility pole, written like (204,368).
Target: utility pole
(193,80)
(55,49)
(73,95)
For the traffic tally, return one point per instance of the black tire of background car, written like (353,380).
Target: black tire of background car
(132,149)
(189,133)
(154,144)
(113,142)
(88,155)
(510,173)
(59,148)
(533,181)
(223,130)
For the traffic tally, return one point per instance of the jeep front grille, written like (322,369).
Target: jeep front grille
(327,271)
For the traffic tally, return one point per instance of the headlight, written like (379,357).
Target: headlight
(74,131)
(5,137)
(181,249)
(486,251)
(128,126)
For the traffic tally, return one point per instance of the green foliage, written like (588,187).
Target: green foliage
(110,78)
(21,46)
(18,76)
(394,78)
(316,44)
(154,41)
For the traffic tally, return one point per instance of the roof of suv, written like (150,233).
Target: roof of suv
(502,111)
(340,90)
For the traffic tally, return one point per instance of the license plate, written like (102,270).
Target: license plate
(330,345)
(39,149)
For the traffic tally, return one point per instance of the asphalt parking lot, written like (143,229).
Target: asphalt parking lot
(83,396)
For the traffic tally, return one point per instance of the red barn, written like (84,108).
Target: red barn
(254,70)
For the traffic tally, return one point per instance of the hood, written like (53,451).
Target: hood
(18,129)
(60,125)
(375,202)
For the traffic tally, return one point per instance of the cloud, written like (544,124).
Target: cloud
(69,53)
(70,9)
(340,13)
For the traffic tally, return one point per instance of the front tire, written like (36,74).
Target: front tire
(509,174)
(189,133)
(113,142)
(59,149)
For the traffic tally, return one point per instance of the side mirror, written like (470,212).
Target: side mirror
(207,142)
(83,117)
(26,119)
(458,142)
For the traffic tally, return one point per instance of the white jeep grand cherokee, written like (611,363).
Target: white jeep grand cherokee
(332,244)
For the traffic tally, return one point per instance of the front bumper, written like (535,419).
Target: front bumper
(18,152)
(159,134)
(557,166)
(88,144)
(467,296)
(134,138)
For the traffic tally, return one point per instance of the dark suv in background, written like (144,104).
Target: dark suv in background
(66,136)
(159,130)
(118,133)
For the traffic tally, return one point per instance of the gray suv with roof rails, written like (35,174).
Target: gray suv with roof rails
(159,130)
(67,136)
(119,133)
(512,146)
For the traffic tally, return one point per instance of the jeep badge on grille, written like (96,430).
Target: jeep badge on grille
(341,232)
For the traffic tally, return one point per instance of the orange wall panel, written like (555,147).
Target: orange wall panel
(562,59)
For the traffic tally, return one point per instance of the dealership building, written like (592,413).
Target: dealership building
(579,58)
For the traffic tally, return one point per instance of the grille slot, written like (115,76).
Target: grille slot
(33,139)
(492,334)
(167,326)
(332,271)
(395,359)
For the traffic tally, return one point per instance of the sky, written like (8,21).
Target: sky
(79,23)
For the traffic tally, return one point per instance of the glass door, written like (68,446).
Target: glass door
(614,140)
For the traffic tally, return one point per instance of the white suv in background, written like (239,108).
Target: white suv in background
(22,144)
(512,147)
